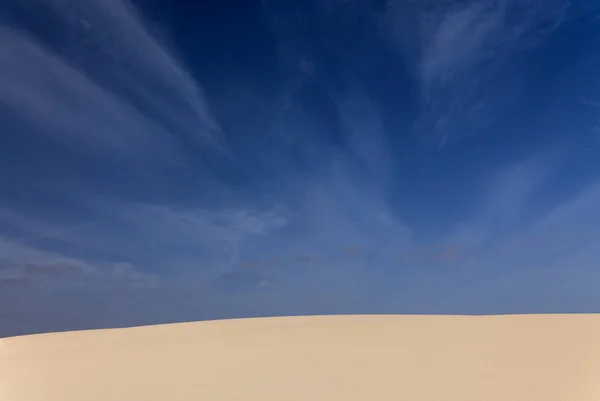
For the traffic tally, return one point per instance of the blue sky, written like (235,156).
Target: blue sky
(165,161)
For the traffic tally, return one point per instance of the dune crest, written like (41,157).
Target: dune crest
(354,357)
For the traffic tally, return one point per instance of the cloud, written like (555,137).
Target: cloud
(182,239)
(457,59)
(566,238)
(28,265)
(212,238)
(509,233)
(116,31)
(548,265)
(336,249)
(510,196)
(296,246)
(460,51)
(297,241)
(102,82)
(459,36)
(60,102)
(308,219)
(458,42)
(365,135)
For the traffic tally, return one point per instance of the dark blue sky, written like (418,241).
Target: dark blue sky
(184,160)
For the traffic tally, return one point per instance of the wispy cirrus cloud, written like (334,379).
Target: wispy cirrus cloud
(312,226)
(512,263)
(458,54)
(130,264)
(460,51)
(57,101)
(458,37)
(102,82)
(33,266)
(333,247)
(164,238)
(508,200)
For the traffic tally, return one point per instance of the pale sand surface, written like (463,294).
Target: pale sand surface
(412,358)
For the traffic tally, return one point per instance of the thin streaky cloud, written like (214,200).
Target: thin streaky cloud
(26,264)
(327,209)
(105,80)
(566,239)
(505,202)
(60,102)
(137,60)
(456,50)
(183,238)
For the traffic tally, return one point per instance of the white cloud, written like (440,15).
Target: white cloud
(109,86)
(30,265)
(356,245)
(550,265)
(137,60)
(507,201)
(457,53)
(173,240)
(458,42)
(58,101)
(455,36)
(365,135)
(211,238)
(335,243)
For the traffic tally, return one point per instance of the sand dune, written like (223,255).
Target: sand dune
(413,358)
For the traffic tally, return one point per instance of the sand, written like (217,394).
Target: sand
(413,358)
